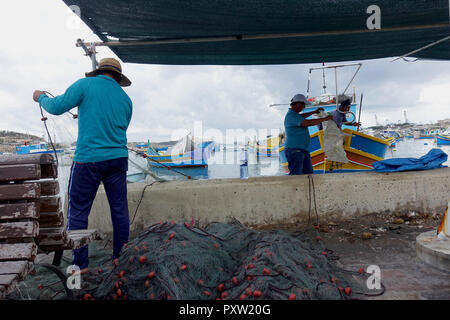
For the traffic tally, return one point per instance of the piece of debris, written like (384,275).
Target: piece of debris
(366,235)
(398,221)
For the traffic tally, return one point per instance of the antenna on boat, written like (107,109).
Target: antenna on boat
(323,74)
(279,104)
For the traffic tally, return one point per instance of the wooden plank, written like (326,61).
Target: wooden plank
(10,159)
(50,204)
(21,268)
(19,211)
(52,236)
(9,281)
(49,171)
(27,191)
(20,172)
(49,188)
(79,238)
(15,230)
(19,251)
(51,220)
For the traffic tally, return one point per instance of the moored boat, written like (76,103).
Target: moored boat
(269,148)
(362,151)
(185,153)
(442,139)
(38,148)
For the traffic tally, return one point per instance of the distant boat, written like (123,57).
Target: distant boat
(185,153)
(269,148)
(38,148)
(442,139)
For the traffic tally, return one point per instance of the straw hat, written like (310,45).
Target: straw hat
(110,64)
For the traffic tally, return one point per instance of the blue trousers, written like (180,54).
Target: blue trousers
(84,181)
(299,161)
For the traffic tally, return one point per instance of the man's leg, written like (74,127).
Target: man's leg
(295,161)
(307,163)
(115,182)
(83,186)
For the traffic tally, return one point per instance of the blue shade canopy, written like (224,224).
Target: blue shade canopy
(251,32)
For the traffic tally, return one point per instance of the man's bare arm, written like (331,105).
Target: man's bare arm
(315,122)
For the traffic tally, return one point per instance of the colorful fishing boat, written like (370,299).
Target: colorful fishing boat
(362,151)
(269,148)
(442,139)
(185,153)
(38,148)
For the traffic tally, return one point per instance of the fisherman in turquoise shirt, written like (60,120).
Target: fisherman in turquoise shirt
(104,114)
(297,135)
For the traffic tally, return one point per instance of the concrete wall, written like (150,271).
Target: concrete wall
(270,200)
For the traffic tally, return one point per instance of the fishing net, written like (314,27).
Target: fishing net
(223,261)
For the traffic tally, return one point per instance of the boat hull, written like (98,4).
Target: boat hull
(197,158)
(440,139)
(362,151)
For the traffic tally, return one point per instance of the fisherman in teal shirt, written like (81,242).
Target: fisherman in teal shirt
(297,135)
(104,114)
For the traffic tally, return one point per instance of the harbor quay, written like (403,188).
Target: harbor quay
(280,200)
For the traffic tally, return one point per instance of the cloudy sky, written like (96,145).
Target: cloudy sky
(38,52)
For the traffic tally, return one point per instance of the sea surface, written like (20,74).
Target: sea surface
(226,164)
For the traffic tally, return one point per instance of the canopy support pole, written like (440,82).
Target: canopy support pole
(427,46)
(421,49)
(257,36)
(89,49)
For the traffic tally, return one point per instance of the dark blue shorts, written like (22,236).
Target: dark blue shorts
(299,161)
(84,181)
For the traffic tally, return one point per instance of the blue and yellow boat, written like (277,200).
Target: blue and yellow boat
(184,154)
(442,139)
(362,151)
(270,147)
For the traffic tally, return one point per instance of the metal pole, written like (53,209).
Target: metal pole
(324,85)
(93,56)
(360,107)
(90,52)
(360,65)
(336,79)
(264,36)
(309,80)
(421,49)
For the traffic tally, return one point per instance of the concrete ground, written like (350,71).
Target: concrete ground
(392,248)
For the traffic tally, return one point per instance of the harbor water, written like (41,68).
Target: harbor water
(226,163)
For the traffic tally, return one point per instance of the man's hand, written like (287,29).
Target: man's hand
(37,94)
(356,124)
(330,117)
(319,110)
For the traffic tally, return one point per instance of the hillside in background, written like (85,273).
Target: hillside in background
(17,135)
(10,139)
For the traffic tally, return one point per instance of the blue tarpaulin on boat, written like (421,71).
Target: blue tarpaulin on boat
(432,160)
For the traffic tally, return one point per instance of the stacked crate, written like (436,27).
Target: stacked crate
(31,217)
